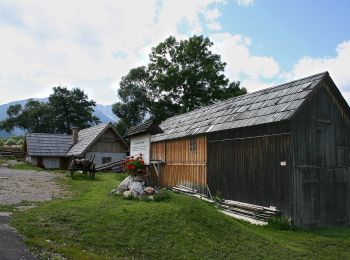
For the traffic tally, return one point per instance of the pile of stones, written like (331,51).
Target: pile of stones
(134,186)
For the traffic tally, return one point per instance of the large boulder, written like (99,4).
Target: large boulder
(136,189)
(124,185)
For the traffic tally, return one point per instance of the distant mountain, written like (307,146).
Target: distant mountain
(103,112)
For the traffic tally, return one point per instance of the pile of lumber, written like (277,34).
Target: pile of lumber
(184,190)
(12,153)
(254,214)
(191,192)
(112,166)
(249,210)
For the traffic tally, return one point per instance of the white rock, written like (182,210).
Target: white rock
(127,194)
(136,189)
(139,178)
(149,190)
(123,186)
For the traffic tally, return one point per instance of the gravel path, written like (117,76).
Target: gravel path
(24,185)
(17,186)
(11,245)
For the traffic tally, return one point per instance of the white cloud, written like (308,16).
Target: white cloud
(88,44)
(245,2)
(338,67)
(241,64)
(211,14)
(214,26)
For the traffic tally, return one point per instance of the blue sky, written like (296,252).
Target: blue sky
(92,44)
(290,30)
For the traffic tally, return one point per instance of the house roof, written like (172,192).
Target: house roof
(148,127)
(261,107)
(62,145)
(48,144)
(86,137)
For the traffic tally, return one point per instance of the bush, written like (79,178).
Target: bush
(218,197)
(14,140)
(280,223)
(162,195)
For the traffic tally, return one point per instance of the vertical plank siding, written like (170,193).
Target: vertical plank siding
(109,143)
(248,169)
(182,166)
(322,160)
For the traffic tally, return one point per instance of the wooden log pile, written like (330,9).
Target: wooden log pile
(191,192)
(184,190)
(253,213)
(112,166)
(249,210)
(12,153)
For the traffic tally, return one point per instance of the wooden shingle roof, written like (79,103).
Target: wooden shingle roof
(48,144)
(62,145)
(148,127)
(261,107)
(88,136)
(85,138)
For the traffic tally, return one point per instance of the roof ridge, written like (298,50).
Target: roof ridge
(47,134)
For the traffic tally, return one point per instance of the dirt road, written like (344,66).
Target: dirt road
(17,186)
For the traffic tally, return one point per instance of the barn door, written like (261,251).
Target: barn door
(255,169)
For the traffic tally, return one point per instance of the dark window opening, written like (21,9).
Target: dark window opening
(106,160)
(193,144)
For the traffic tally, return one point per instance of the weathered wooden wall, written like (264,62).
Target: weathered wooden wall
(245,165)
(109,142)
(182,166)
(322,160)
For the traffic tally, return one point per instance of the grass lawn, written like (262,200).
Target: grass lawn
(94,225)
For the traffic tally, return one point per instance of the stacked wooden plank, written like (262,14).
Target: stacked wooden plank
(254,214)
(115,166)
(191,192)
(184,190)
(11,153)
(249,210)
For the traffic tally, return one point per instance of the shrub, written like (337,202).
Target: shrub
(218,197)
(280,223)
(162,195)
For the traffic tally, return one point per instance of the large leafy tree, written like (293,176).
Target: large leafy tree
(71,108)
(34,116)
(65,108)
(135,101)
(180,76)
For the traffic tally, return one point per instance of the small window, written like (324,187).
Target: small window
(193,144)
(106,160)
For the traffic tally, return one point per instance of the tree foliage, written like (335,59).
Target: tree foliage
(35,116)
(66,108)
(71,108)
(180,76)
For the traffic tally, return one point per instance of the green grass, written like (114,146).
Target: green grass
(94,225)
(26,166)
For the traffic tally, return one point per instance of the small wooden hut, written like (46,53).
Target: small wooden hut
(287,146)
(53,151)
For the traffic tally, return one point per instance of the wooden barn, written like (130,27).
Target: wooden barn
(287,146)
(53,151)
